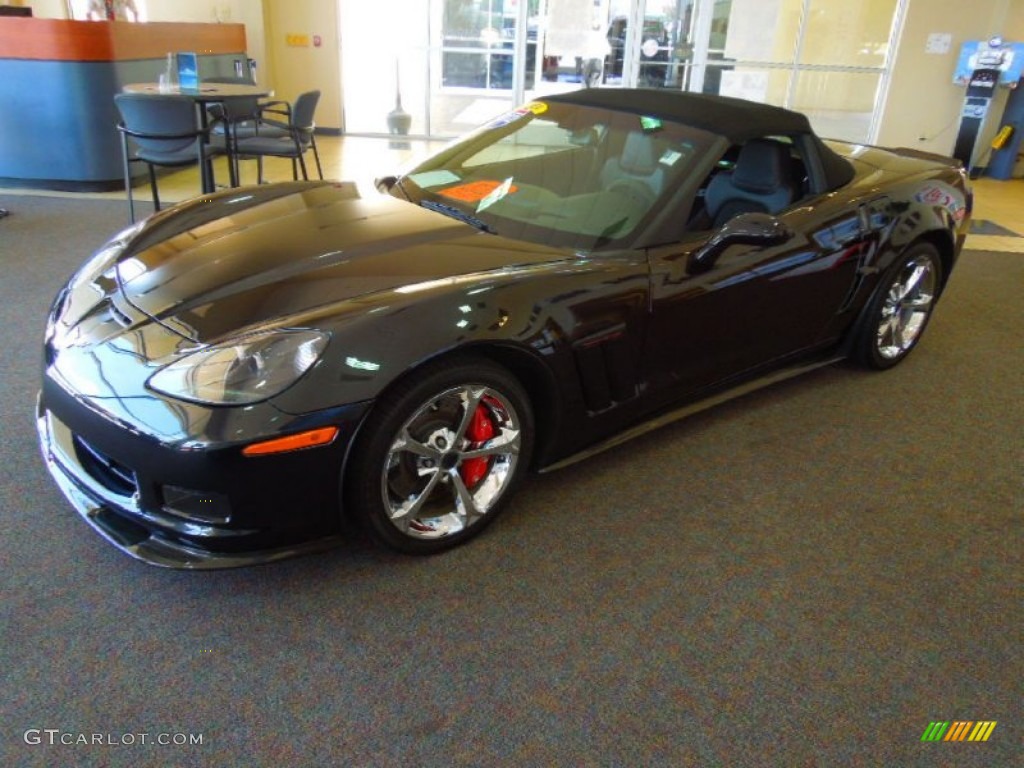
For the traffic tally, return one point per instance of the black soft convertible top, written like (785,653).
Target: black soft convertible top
(737,120)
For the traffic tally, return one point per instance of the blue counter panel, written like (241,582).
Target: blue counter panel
(58,125)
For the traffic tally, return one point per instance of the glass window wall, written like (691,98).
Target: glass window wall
(848,34)
(840,104)
(446,66)
(826,58)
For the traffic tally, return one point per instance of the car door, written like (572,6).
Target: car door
(751,303)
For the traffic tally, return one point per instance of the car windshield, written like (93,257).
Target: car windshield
(561,174)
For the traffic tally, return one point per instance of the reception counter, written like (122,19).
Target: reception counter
(58,121)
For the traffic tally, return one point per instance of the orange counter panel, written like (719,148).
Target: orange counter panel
(60,40)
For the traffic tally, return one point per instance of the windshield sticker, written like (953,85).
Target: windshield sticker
(509,117)
(650,124)
(670,158)
(476,191)
(499,193)
(429,179)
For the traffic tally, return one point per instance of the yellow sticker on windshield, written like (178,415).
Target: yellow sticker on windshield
(537,107)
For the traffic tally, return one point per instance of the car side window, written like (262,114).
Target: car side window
(766,174)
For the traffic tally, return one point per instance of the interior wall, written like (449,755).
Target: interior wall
(922,109)
(1013,26)
(47,9)
(296,63)
(247,12)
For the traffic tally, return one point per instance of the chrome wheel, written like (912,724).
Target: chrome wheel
(906,307)
(450,462)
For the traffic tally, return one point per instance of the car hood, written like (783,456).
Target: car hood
(251,256)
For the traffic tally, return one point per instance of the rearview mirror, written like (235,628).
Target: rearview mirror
(385,183)
(745,229)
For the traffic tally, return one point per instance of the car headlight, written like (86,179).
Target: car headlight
(242,371)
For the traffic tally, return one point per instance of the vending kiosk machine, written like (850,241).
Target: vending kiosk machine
(981,68)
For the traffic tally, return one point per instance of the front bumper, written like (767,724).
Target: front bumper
(117,479)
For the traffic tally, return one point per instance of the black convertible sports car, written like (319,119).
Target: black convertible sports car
(226,380)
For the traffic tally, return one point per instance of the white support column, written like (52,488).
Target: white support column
(704,11)
(634,39)
(519,57)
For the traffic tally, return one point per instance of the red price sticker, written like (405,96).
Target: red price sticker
(474,191)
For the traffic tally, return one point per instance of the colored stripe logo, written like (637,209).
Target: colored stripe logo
(959,730)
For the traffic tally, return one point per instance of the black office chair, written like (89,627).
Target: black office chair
(761,181)
(164,131)
(291,137)
(234,118)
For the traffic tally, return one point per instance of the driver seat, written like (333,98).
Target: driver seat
(761,182)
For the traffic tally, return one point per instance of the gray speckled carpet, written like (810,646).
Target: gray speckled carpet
(807,576)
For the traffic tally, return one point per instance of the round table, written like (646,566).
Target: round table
(205,93)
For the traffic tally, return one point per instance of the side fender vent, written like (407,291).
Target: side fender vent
(606,368)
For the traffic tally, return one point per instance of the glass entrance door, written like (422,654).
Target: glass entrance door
(664,50)
(613,43)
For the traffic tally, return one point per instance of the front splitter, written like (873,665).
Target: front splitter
(141,543)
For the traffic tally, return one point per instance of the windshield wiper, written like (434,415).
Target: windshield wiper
(455,213)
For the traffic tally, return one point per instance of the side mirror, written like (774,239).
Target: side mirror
(745,229)
(385,183)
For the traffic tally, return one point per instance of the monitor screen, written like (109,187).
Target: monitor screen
(1008,58)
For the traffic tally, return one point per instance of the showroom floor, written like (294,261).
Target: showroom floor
(998,214)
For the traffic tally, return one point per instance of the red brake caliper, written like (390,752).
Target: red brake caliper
(481,429)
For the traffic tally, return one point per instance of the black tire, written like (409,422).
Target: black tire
(412,455)
(898,313)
